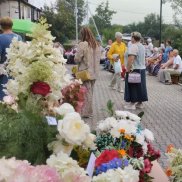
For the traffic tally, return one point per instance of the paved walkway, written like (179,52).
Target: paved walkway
(163,111)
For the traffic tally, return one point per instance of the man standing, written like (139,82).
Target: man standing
(5,40)
(177,68)
(118,47)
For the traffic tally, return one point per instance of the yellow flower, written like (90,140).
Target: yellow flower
(122,152)
(128,137)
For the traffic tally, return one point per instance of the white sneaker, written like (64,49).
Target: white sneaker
(120,90)
(139,105)
(130,107)
(114,88)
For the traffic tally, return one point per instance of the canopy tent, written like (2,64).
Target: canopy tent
(23,26)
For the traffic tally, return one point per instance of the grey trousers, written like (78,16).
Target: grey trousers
(169,72)
(116,80)
(87,109)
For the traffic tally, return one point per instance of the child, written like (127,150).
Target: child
(116,80)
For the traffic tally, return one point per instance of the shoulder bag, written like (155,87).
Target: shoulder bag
(134,77)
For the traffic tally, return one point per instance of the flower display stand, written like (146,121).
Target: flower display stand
(158,173)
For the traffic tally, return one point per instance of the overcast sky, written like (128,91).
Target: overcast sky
(128,11)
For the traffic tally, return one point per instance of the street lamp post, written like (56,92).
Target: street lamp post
(76,17)
(160,33)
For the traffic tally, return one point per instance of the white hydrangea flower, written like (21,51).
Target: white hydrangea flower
(63,163)
(121,114)
(134,117)
(108,176)
(130,128)
(107,124)
(128,174)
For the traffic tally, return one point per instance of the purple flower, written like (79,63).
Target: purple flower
(113,164)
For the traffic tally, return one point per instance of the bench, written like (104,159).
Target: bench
(176,79)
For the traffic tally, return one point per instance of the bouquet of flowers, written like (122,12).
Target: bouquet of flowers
(74,95)
(175,163)
(124,149)
(37,75)
(41,127)
(37,70)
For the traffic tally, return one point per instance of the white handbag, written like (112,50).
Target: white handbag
(134,77)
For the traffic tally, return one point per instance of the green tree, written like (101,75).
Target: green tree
(149,27)
(62,18)
(109,33)
(103,17)
(177,7)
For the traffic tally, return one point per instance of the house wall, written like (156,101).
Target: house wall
(11,9)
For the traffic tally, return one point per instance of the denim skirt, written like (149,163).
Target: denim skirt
(136,92)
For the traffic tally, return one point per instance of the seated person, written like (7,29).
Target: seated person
(166,65)
(155,67)
(175,70)
(168,48)
(152,59)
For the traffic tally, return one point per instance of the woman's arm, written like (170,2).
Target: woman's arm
(131,59)
(132,53)
(80,52)
(110,53)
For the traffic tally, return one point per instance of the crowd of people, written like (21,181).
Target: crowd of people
(130,62)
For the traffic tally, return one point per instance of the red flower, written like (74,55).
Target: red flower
(40,88)
(147,166)
(135,151)
(153,154)
(106,156)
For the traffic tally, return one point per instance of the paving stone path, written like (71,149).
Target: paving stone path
(163,111)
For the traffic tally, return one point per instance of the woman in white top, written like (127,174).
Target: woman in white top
(136,93)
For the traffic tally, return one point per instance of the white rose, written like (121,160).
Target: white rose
(64,109)
(89,141)
(58,146)
(148,135)
(73,129)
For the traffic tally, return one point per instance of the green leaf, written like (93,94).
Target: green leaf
(25,135)
(141,114)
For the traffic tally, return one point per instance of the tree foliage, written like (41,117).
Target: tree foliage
(62,18)
(177,7)
(103,17)
(149,27)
